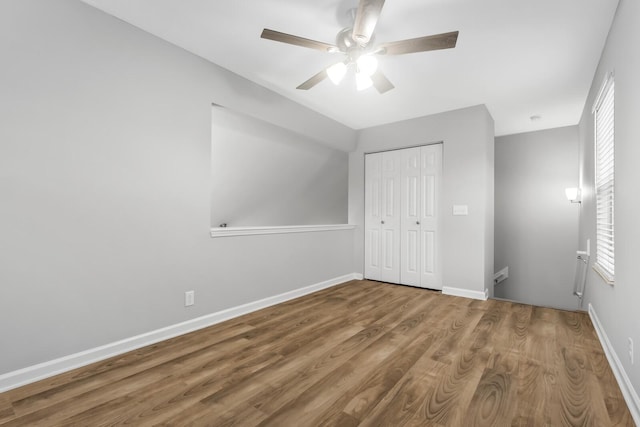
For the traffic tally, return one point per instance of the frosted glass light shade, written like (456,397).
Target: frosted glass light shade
(336,72)
(363,81)
(573,194)
(367,64)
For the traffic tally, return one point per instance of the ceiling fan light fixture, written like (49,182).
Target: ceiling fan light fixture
(367,64)
(357,43)
(336,72)
(363,81)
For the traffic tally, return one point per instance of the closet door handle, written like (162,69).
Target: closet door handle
(381,222)
(417,222)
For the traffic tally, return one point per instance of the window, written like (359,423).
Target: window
(603,111)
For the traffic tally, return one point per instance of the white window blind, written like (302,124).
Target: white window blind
(604,180)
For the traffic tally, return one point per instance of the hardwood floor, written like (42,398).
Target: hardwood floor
(361,353)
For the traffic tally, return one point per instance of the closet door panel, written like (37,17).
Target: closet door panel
(410,222)
(429,250)
(430,216)
(390,220)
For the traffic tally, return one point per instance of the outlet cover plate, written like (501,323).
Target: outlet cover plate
(189,298)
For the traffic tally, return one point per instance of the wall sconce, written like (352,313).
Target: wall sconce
(573,195)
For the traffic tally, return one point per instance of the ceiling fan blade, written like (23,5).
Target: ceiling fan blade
(313,80)
(366,19)
(420,44)
(381,83)
(298,41)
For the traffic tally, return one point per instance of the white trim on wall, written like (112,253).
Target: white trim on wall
(250,231)
(48,369)
(629,393)
(466,293)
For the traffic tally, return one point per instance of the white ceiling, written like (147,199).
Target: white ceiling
(519,58)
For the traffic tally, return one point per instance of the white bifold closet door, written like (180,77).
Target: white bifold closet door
(402,216)
(382,216)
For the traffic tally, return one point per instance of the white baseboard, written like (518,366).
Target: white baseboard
(48,369)
(629,393)
(459,292)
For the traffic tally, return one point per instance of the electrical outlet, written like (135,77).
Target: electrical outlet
(189,298)
(630,350)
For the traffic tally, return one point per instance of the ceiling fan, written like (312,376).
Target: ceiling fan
(357,44)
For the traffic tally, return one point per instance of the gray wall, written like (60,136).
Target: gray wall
(536,228)
(265,175)
(468,139)
(617,306)
(105,186)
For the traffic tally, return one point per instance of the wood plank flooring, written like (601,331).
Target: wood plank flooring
(359,354)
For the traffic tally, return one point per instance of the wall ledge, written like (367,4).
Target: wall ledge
(629,393)
(63,364)
(252,231)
